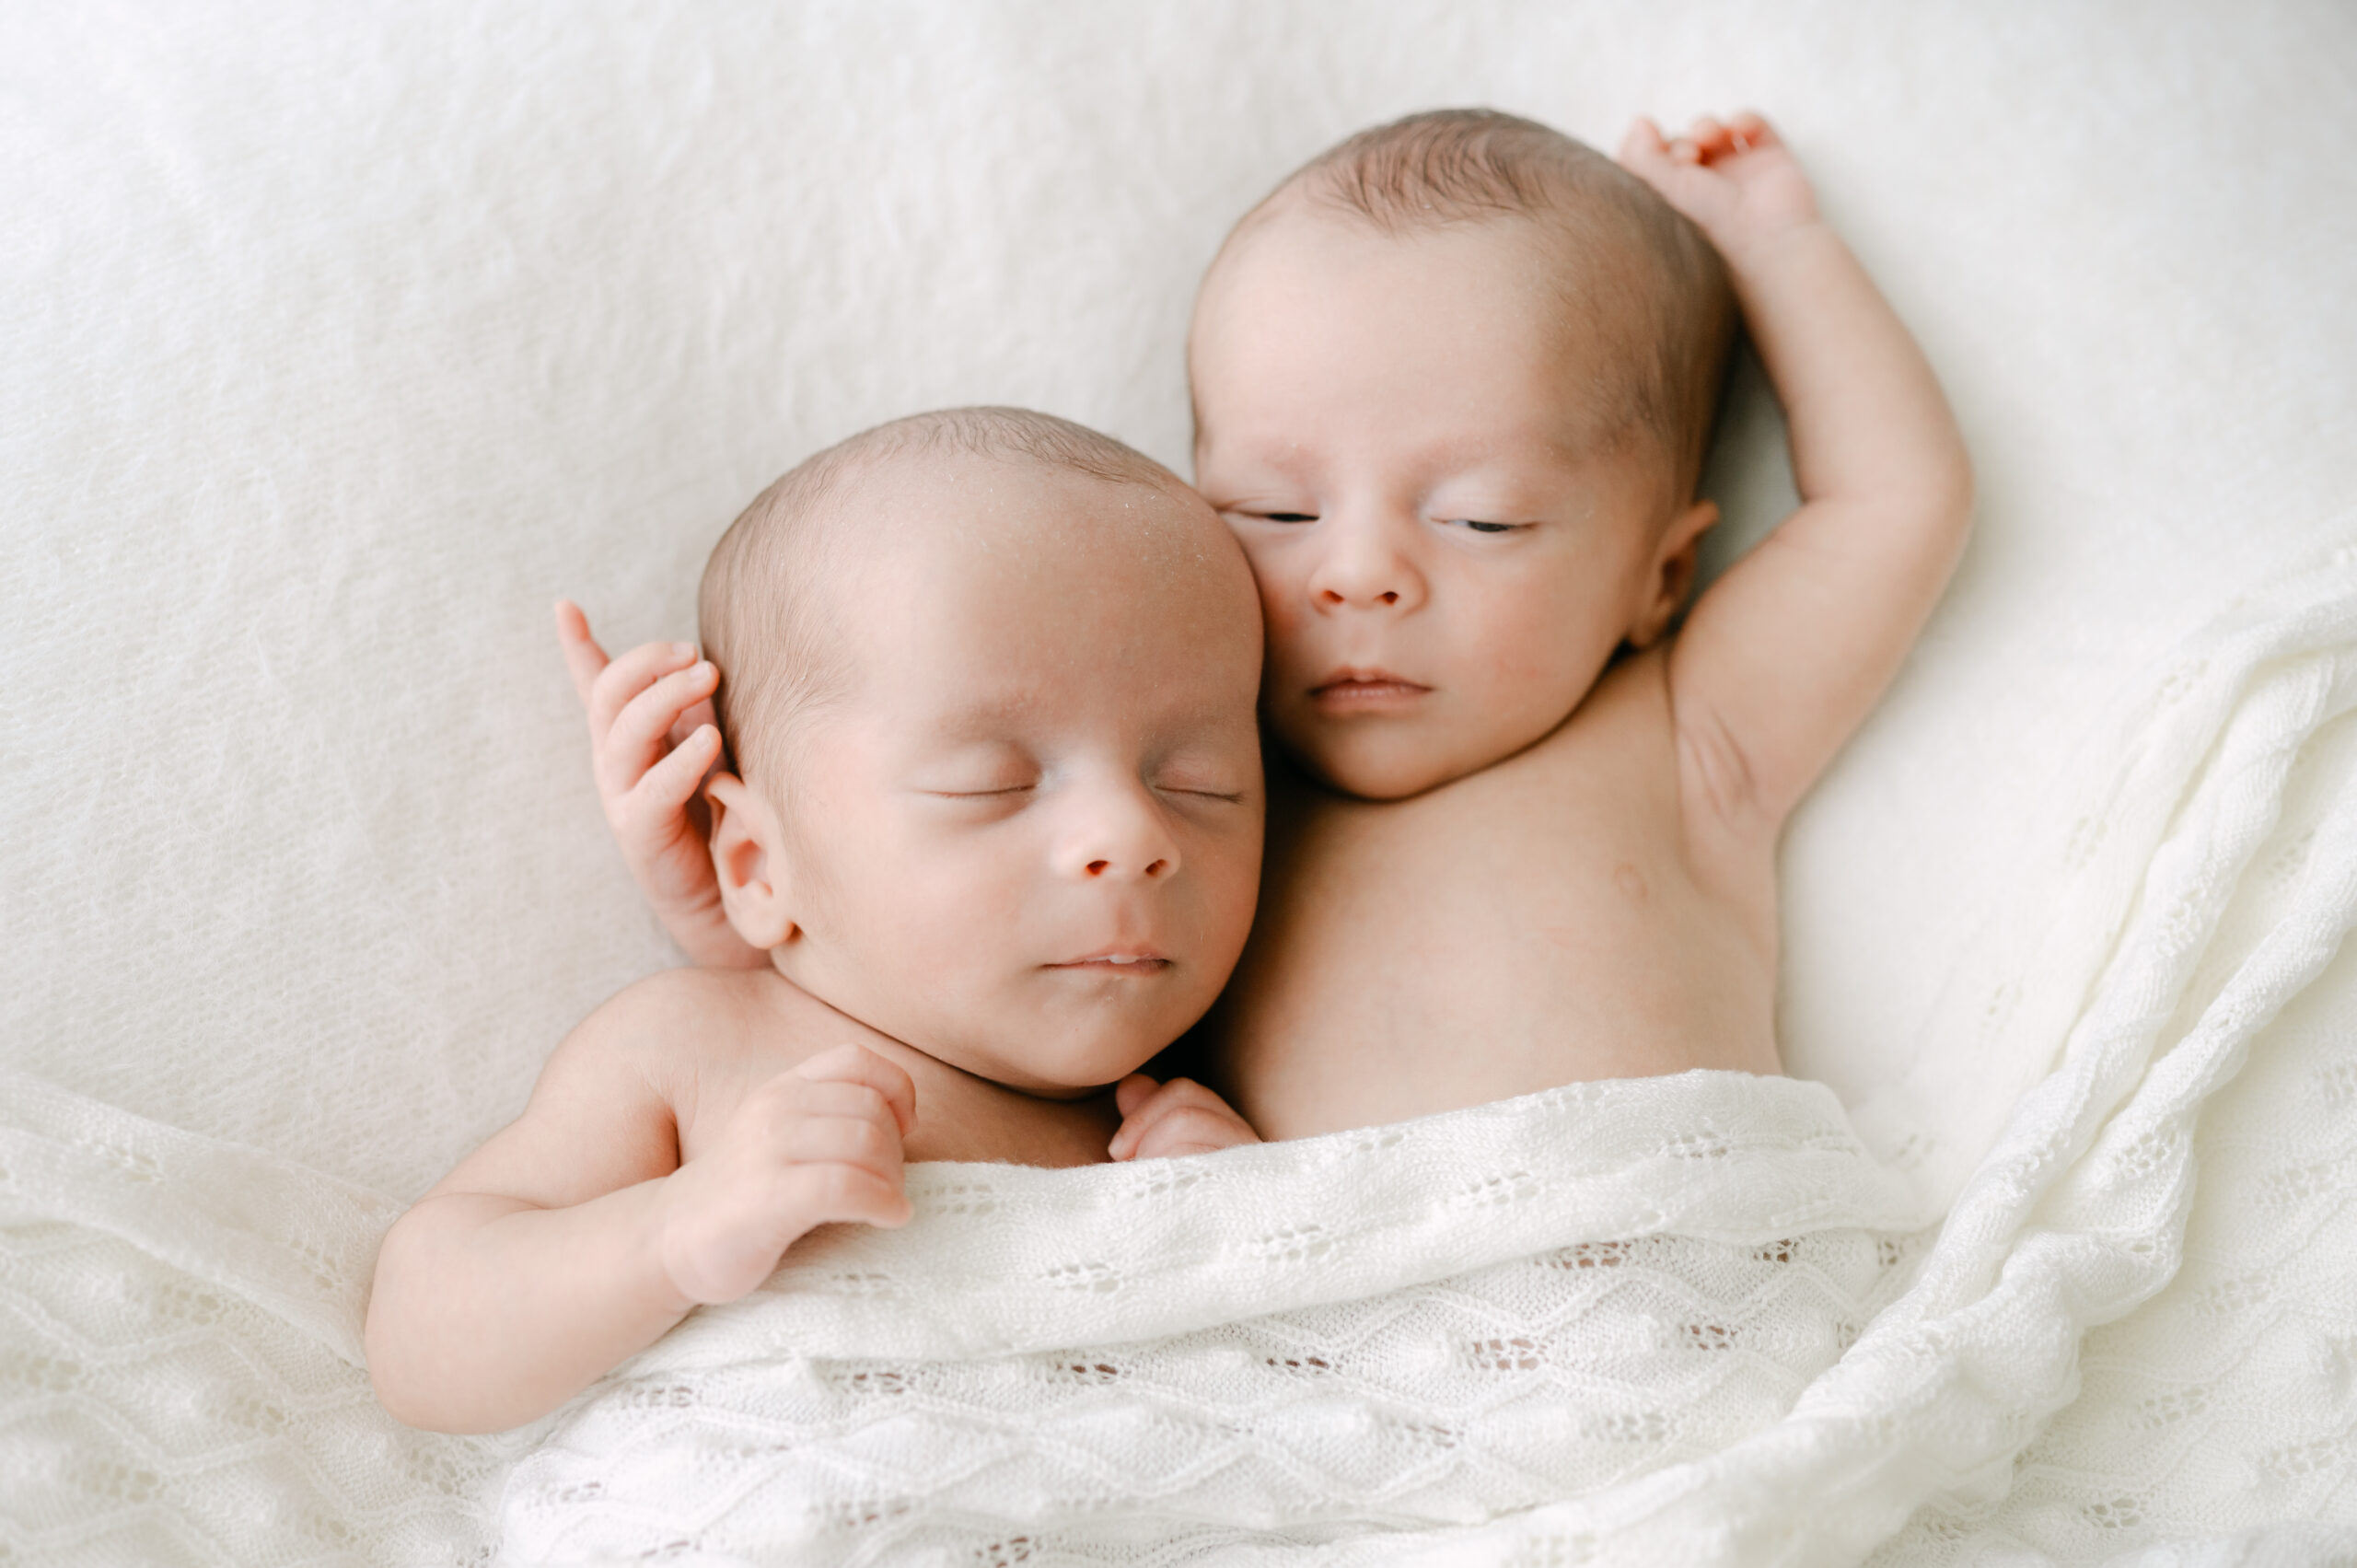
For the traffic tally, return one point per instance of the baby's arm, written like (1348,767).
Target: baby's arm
(652,741)
(1783,657)
(574,1237)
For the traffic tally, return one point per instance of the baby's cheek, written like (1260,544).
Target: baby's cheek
(1286,633)
(1536,667)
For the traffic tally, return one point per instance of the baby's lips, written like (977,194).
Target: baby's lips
(1368,677)
(1118,960)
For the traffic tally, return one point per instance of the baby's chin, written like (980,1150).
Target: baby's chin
(1041,1059)
(1388,763)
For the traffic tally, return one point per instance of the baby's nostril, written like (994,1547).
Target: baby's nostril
(1097,868)
(1391,597)
(1157,868)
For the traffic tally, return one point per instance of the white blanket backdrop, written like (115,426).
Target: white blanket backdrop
(338,344)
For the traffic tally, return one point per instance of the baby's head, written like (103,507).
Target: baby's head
(1452,382)
(987,680)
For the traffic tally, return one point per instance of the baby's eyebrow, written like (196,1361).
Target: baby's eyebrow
(976,723)
(1565,441)
(1014,720)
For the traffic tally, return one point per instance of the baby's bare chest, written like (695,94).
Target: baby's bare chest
(1545,921)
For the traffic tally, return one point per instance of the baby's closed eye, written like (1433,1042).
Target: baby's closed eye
(1268,512)
(978,772)
(1201,779)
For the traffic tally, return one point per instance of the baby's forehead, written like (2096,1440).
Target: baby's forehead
(1557,277)
(1018,600)
(934,514)
(993,546)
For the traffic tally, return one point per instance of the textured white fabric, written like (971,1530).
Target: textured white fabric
(340,342)
(1434,1323)
(1686,1320)
(872,1409)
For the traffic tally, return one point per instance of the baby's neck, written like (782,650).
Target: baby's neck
(961,1115)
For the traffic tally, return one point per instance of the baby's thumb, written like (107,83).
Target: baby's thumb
(1133,1092)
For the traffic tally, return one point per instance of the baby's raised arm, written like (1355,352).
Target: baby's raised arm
(652,741)
(1783,657)
(575,1238)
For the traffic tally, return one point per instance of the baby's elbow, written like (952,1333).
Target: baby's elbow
(404,1396)
(1943,501)
(1962,493)
(395,1342)
(417,1399)
(1949,489)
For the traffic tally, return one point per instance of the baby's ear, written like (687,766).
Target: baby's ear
(745,857)
(1672,578)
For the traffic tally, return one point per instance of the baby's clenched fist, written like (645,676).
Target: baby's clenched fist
(1181,1116)
(1735,178)
(816,1146)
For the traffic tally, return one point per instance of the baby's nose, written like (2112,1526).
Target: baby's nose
(1153,867)
(1118,834)
(1365,566)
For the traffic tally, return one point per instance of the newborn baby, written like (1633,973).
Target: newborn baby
(996,823)
(1452,384)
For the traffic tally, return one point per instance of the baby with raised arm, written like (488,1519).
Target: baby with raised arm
(995,822)
(1452,384)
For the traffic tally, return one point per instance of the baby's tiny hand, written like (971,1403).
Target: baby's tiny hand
(1181,1116)
(817,1146)
(652,742)
(1736,181)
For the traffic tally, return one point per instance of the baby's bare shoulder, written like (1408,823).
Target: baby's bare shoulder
(661,1031)
(700,1039)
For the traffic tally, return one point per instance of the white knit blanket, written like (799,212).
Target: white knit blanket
(1429,1324)
(1680,1320)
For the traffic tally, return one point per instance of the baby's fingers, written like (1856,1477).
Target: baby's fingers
(626,677)
(860,1143)
(642,730)
(665,789)
(1132,1094)
(583,659)
(857,1065)
(1181,1116)
(1666,166)
(1643,148)
(834,1192)
(1749,131)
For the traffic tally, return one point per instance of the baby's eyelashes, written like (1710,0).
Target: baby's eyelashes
(996,792)
(1201,792)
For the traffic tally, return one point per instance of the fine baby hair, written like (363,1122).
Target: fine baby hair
(768,619)
(1632,271)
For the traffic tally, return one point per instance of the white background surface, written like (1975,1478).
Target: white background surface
(336,346)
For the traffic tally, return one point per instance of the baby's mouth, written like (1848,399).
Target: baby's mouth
(1357,688)
(1123,962)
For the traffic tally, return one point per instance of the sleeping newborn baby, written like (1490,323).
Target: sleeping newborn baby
(1453,382)
(996,824)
